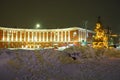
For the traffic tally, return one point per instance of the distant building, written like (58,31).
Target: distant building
(40,38)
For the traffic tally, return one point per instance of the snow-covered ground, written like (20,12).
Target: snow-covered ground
(51,64)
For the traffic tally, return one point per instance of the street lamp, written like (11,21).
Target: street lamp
(37,26)
(86,31)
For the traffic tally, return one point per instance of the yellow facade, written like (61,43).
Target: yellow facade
(40,38)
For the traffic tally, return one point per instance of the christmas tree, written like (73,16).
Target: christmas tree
(100,38)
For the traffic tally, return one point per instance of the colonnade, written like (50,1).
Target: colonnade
(36,37)
(32,36)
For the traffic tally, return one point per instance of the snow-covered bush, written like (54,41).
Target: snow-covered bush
(83,52)
(51,64)
(36,65)
(112,53)
(86,52)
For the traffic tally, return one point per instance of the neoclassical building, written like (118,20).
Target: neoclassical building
(40,38)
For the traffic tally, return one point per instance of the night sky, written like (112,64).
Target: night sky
(59,14)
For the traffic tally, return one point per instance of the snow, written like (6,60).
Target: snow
(46,64)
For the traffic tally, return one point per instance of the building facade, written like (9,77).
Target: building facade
(40,38)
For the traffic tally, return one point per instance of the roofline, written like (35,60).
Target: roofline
(59,29)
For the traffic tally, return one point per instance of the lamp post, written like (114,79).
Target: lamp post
(86,30)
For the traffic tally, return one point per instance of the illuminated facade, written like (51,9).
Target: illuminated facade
(40,38)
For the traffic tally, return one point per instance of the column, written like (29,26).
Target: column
(34,41)
(7,36)
(61,35)
(55,38)
(12,35)
(51,36)
(24,36)
(43,36)
(69,36)
(39,36)
(58,36)
(36,38)
(32,37)
(3,35)
(47,36)
(28,36)
(54,35)
(16,35)
(20,35)
(65,36)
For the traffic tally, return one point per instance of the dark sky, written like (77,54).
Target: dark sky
(59,14)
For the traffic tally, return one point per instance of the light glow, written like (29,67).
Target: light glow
(37,25)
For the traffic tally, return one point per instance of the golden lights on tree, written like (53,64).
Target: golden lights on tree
(100,38)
